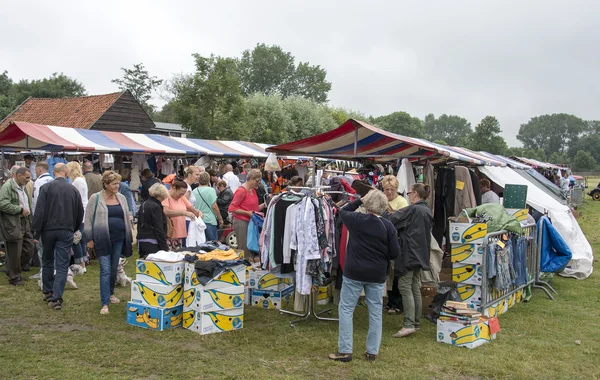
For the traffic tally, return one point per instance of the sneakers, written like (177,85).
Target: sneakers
(48,297)
(55,304)
(393,311)
(339,357)
(19,282)
(404,333)
(36,276)
(370,357)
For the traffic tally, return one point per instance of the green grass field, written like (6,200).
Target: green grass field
(538,340)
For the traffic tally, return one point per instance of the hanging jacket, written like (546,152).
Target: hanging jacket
(414,224)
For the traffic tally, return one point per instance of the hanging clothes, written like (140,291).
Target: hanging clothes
(406,177)
(445,188)
(476,188)
(428,178)
(464,196)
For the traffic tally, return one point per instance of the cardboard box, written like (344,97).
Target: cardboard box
(470,294)
(154,318)
(205,300)
(263,280)
(234,276)
(247,296)
(463,231)
(519,213)
(214,321)
(467,273)
(152,294)
(159,272)
(427,305)
(519,295)
(428,289)
(460,335)
(467,253)
(272,299)
(446,275)
(512,300)
(324,295)
(496,309)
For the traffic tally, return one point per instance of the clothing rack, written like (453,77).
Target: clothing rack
(310,309)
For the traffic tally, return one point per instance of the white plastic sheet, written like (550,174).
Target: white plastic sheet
(581,265)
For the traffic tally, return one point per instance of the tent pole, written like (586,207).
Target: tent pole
(314,171)
(355,138)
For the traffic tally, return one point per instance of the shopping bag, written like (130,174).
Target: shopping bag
(254,229)
(271,165)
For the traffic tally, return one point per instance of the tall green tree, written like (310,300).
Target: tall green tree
(56,86)
(584,161)
(559,158)
(401,123)
(141,84)
(551,133)
(267,119)
(487,137)
(340,115)
(450,128)
(272,71)
(209,102)
(589,143)
(308,118)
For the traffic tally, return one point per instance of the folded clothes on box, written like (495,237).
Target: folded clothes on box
(171,257)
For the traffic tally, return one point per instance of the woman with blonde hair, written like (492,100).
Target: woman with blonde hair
(152,222)
(390,185)
(78,181)
(108,231)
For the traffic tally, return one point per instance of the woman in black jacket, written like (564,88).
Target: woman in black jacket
(224,200)
(414,225)
(152,222)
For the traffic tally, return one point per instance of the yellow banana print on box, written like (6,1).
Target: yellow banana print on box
(521,215)
(226,322)
(229,277)
(466,292)
(476,231)
(150,322)
(225,300)
(157,299)
(188,297)
(188,318)
(462,252)
(461,274)
(471,334)
(152,270)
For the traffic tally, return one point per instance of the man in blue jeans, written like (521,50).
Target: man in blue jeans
(58,214)
(373,244)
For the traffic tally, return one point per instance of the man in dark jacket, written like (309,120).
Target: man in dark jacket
(147,181)
(414,225)
(58,214)
(15,224)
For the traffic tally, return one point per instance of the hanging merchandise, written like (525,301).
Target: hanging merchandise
(272,165)
(445,188)
(406,177)
(465,197)
(136,182)
(428,178)
(107,161)
(203,161)
(140,161)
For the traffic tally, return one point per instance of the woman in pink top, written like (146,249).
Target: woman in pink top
(243,205)
(177,207)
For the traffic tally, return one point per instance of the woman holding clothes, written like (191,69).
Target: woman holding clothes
(78,180)
(108,231)
(373,244)
(244,204)
(414,224)
(177,207)
(152,222)
(206,202)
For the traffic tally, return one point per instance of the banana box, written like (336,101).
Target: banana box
(461,335)
(247,296)
(512,300)
(213,321)
(272,299)
(204,300)
(467,273)
(519,213)
(324,295)
(470,294)
(467,253)
(496,309)
(233,276)
(152,294)
(263,280)
(519,296)
(154,318)
(466,232)
(159,272)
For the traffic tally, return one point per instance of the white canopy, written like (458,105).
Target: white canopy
(581,264)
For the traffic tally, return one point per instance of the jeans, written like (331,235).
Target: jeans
(211,232)
(79,251)
(520,260)
(349,296)
(56,256)
(410,289)
(109,265)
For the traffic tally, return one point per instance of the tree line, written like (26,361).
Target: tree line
(266,96)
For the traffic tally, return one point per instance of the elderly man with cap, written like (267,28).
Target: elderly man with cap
(15,224)
(58,215)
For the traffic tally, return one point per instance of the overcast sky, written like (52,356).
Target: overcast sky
(510,59)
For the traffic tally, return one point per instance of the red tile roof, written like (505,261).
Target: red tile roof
(79,112)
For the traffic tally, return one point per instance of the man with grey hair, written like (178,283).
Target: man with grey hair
(232,180)
(13,171)
(15,224)
(373,244)
(58,214)
(93,180)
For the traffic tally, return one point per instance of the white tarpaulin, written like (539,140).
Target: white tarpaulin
(581,264)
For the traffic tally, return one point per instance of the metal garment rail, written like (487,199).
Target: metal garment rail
(491,297)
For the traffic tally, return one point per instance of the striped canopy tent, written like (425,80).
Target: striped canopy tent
(535,163)
(512,163)
(356,139)
(28,136)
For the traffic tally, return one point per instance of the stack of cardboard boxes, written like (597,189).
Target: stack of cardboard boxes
(156,295)
(218,305)
(269,291)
